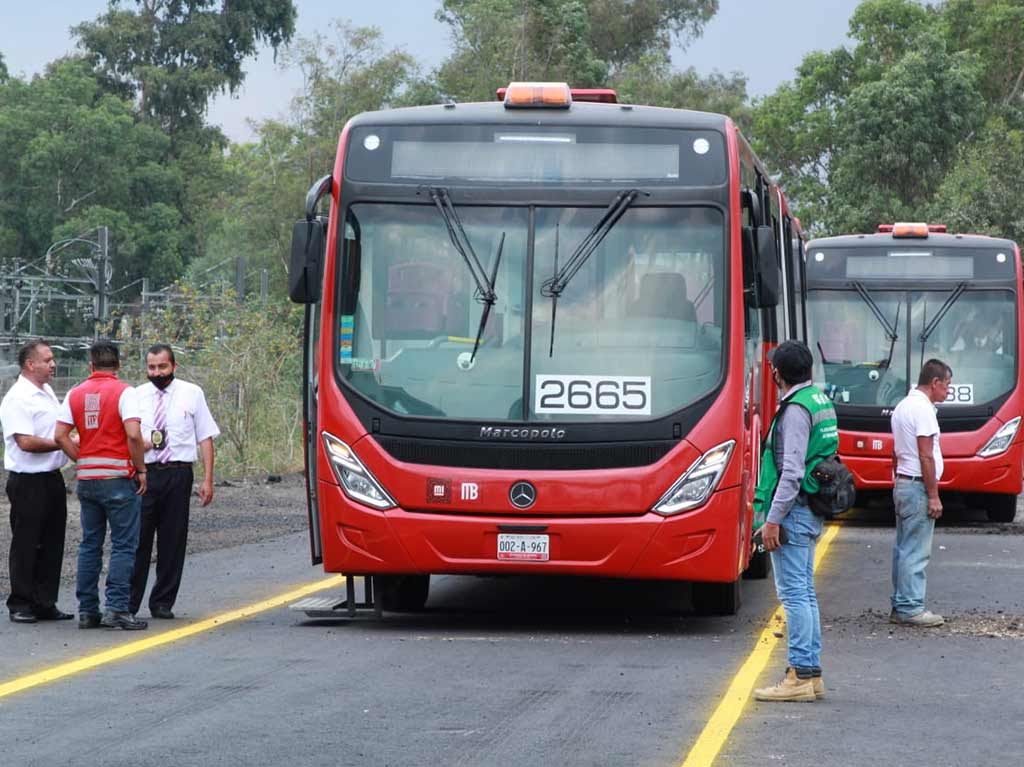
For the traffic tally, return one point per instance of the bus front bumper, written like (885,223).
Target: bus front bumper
(701,545)
(971,474)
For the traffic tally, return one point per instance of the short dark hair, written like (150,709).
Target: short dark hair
(933,369)
(28,351)
(793,360)
(104,355)
(160,349)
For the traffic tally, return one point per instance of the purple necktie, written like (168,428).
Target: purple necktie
(163,455)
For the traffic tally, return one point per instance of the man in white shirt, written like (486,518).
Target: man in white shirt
(35,487)
(177,425)
(918,463)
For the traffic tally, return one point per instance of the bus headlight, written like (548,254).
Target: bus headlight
(1001,440)
(700,480)
(355,479)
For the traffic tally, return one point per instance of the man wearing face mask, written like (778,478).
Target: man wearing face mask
(176,425)
(803,433)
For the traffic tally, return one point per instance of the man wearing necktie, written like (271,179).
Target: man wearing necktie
(177,425)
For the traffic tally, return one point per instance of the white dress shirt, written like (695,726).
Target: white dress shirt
(30,410)
(189,421)
(915,417)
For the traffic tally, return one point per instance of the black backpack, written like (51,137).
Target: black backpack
(836,492)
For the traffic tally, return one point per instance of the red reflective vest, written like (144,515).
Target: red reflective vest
(103,443)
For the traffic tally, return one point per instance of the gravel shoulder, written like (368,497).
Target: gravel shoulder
(242,511)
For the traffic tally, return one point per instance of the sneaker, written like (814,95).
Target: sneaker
(925,619)
(819,687)
(122,620)
(88,620)
(791,688)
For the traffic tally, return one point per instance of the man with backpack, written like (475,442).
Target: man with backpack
(803,433)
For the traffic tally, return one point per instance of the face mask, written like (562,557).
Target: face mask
(161,382)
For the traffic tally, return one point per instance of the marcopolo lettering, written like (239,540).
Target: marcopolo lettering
(502,432)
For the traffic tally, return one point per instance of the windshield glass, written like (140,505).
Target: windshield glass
(976,337)
(638,329)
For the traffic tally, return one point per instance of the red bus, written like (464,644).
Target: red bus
(879,305)
(535,336)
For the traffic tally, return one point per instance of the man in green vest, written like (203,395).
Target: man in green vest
(803,433)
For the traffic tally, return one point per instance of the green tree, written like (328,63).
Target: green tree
(867,134)
(73,157)
(583,42)
(172,56)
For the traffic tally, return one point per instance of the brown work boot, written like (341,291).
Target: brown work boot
(790,688)
(819,687)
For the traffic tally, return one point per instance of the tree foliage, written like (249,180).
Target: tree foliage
(174,55)
(583,42)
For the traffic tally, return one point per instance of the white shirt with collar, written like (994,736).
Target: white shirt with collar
(30,410)
(189,421)
(915,417)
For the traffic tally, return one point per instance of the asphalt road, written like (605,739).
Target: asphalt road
(537,671)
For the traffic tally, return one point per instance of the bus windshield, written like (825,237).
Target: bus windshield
(635,334)
(860,363)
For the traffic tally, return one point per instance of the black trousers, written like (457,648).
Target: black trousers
(39,515)
(165,508)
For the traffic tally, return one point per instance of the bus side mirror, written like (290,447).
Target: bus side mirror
(768,276)
(306,266)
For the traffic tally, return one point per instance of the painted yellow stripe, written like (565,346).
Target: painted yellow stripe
(129,649)
(725,716)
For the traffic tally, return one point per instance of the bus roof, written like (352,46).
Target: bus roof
(933,240)
(580,113)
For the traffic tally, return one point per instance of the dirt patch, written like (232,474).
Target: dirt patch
(996,625)
(242,511)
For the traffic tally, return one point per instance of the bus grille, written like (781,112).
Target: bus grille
(487,455)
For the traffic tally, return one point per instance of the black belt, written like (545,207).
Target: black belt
(35,473)
(169,465)
(907,476)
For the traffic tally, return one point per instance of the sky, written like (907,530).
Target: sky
(764,40)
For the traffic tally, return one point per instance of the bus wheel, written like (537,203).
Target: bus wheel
(1001,508)
(716,598)
(403,593)
(759,567)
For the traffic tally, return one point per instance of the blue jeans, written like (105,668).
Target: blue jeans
(793,564)
(913,547)
(106,501)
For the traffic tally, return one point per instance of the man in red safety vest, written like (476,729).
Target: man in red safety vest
(111,480)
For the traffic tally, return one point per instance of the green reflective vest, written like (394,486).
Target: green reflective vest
(823,442)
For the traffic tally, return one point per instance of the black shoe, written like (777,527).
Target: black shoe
(88,620)
(161,612)
(23,616)
(52,613)
(118,620)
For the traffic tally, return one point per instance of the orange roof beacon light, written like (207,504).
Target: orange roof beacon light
(905,230)
(550,95)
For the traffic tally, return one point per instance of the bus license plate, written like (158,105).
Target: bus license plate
(530,548)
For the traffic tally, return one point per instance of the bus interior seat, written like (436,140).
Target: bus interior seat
(663,294)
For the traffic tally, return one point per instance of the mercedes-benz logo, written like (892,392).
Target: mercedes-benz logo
(522,495)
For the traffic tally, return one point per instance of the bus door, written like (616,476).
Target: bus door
(305,281)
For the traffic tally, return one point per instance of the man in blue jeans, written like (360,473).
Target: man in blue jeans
(915,493)
(111,480)
(803,433)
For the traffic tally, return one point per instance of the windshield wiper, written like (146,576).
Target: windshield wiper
(890,329)
(552,288)
(460,241)
(930,327)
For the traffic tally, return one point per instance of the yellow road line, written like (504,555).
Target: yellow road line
(725,716)
(142,645)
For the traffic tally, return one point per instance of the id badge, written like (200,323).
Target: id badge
(158,438)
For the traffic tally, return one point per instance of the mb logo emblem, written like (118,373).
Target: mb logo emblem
(522,495)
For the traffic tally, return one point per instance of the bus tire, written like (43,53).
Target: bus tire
(1000,507)
(759,567)
(403,593)
(716,598)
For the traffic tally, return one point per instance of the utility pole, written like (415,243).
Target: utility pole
(240,278)
(102,299)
